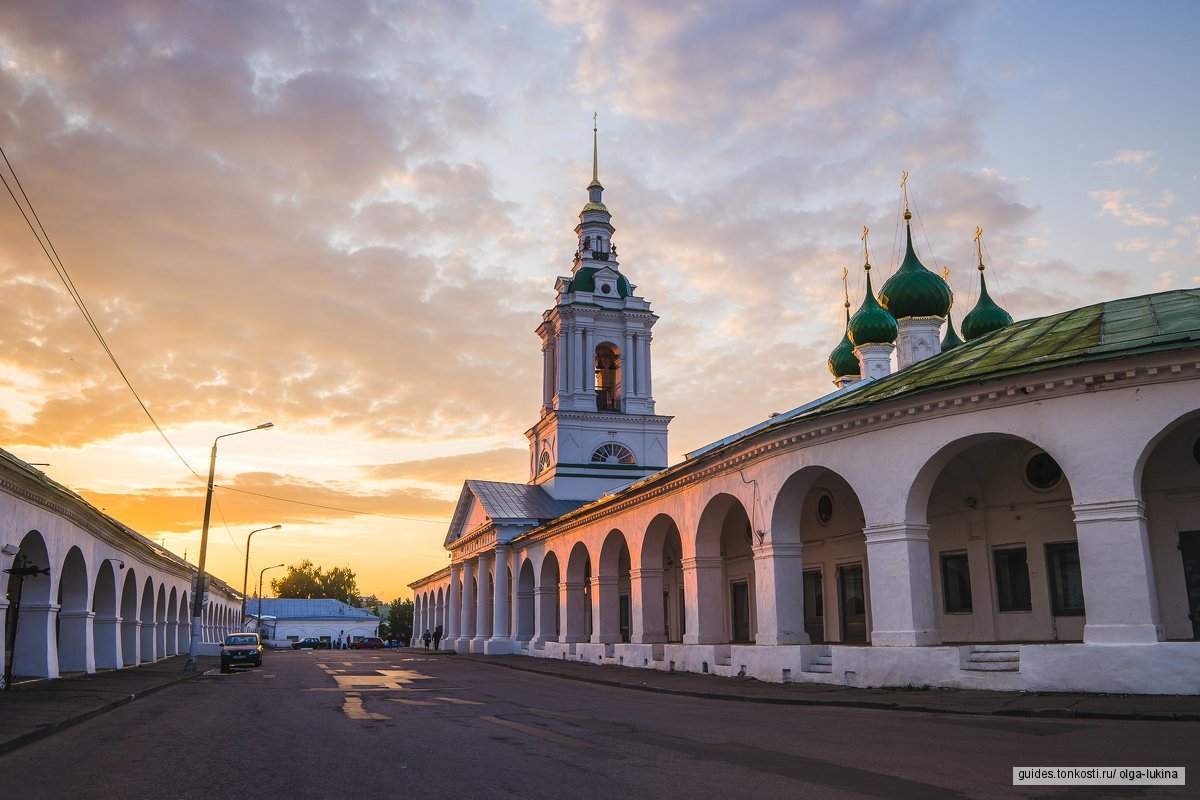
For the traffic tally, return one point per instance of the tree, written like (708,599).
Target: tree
(306,581)
(400,619)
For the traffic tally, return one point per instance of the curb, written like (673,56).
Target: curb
(43,731)
(877,705)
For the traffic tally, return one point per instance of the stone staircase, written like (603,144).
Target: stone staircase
(821,664)
(993,658)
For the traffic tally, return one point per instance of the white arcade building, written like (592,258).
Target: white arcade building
(109,597)
(1017,511)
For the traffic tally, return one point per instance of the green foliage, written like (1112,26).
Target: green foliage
(306,581)
(400,619)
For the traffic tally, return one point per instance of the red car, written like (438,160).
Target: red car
(369,643)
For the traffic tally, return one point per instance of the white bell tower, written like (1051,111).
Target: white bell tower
(598,429)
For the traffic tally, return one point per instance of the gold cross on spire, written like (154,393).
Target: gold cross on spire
(846,287)
(595,146)
(979,245)
(866,255)
(904,188)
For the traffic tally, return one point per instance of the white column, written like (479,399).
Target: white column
(547,375)
(576,358)
(627,372)
(545,600)
(586,367)
(606,610)
(561,343)
(483,616)
(875,360)
(571,602)
(146,635)
(646,368)
(107,648)
(501,641)
(646,606)
(454,601)
(76,650)
(34,652)
(902,610)
(779,593)
(1119,592)
(640,363)
(702,584)
(917,339)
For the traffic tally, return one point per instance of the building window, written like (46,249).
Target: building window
(1012,579)
(1066,579)
(1042,472)
(956,583)
(824,508)
(613,453)
(544,461)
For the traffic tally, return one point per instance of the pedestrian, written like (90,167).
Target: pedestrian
(427,637)
(437,636)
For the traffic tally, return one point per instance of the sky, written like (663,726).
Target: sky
(346,219)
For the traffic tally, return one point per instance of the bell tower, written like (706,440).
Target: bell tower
(598,429)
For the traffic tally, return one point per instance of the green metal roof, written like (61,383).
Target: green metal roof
(986,316)
(584,280)
(871,324)
(914,291)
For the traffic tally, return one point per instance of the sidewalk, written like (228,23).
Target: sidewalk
(32,710)
(941,701)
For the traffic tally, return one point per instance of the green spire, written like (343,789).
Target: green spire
(950,340)
(986,316)
(871,324)
(914,291)
(842,361)
(595,155)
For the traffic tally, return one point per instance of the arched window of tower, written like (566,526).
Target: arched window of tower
(608,375)
(613,453)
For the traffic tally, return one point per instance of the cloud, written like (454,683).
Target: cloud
(1130,158)
(1117,203)
(503,464)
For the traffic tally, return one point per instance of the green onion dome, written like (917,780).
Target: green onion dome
(584,280)
(914,291)
(950,340)
(872,324)
(986,316)
(842,361)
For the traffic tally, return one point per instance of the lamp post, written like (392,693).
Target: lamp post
(260,579)
(246,568)
(201,586)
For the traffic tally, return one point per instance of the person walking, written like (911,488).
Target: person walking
(427,637)
(437,636)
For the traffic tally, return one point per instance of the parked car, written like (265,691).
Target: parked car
(241,648)
(311,643)
(368,643)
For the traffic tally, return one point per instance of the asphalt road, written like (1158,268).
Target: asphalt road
(398,725)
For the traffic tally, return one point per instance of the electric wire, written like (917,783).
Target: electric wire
(442,520)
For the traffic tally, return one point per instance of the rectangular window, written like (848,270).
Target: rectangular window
(956,583)
(1066,580)
(1012,579)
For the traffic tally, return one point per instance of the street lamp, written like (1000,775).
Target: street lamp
(260,579)
(201,585)
(246,568)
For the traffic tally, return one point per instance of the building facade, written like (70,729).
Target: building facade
(1017,511)
(284,619)
(109,597)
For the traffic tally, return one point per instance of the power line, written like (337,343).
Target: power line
(441,521)
(65,277)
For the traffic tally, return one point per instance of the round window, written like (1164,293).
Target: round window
(1042,472)
(544,461)
(604,287)
(824,509)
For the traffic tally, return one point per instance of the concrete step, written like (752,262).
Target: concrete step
(993,658)
(820,664)
(996,648)
(992,666)
(994,655)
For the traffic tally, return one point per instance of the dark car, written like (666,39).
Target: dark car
(369,643)
(311,643)
(241,648)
